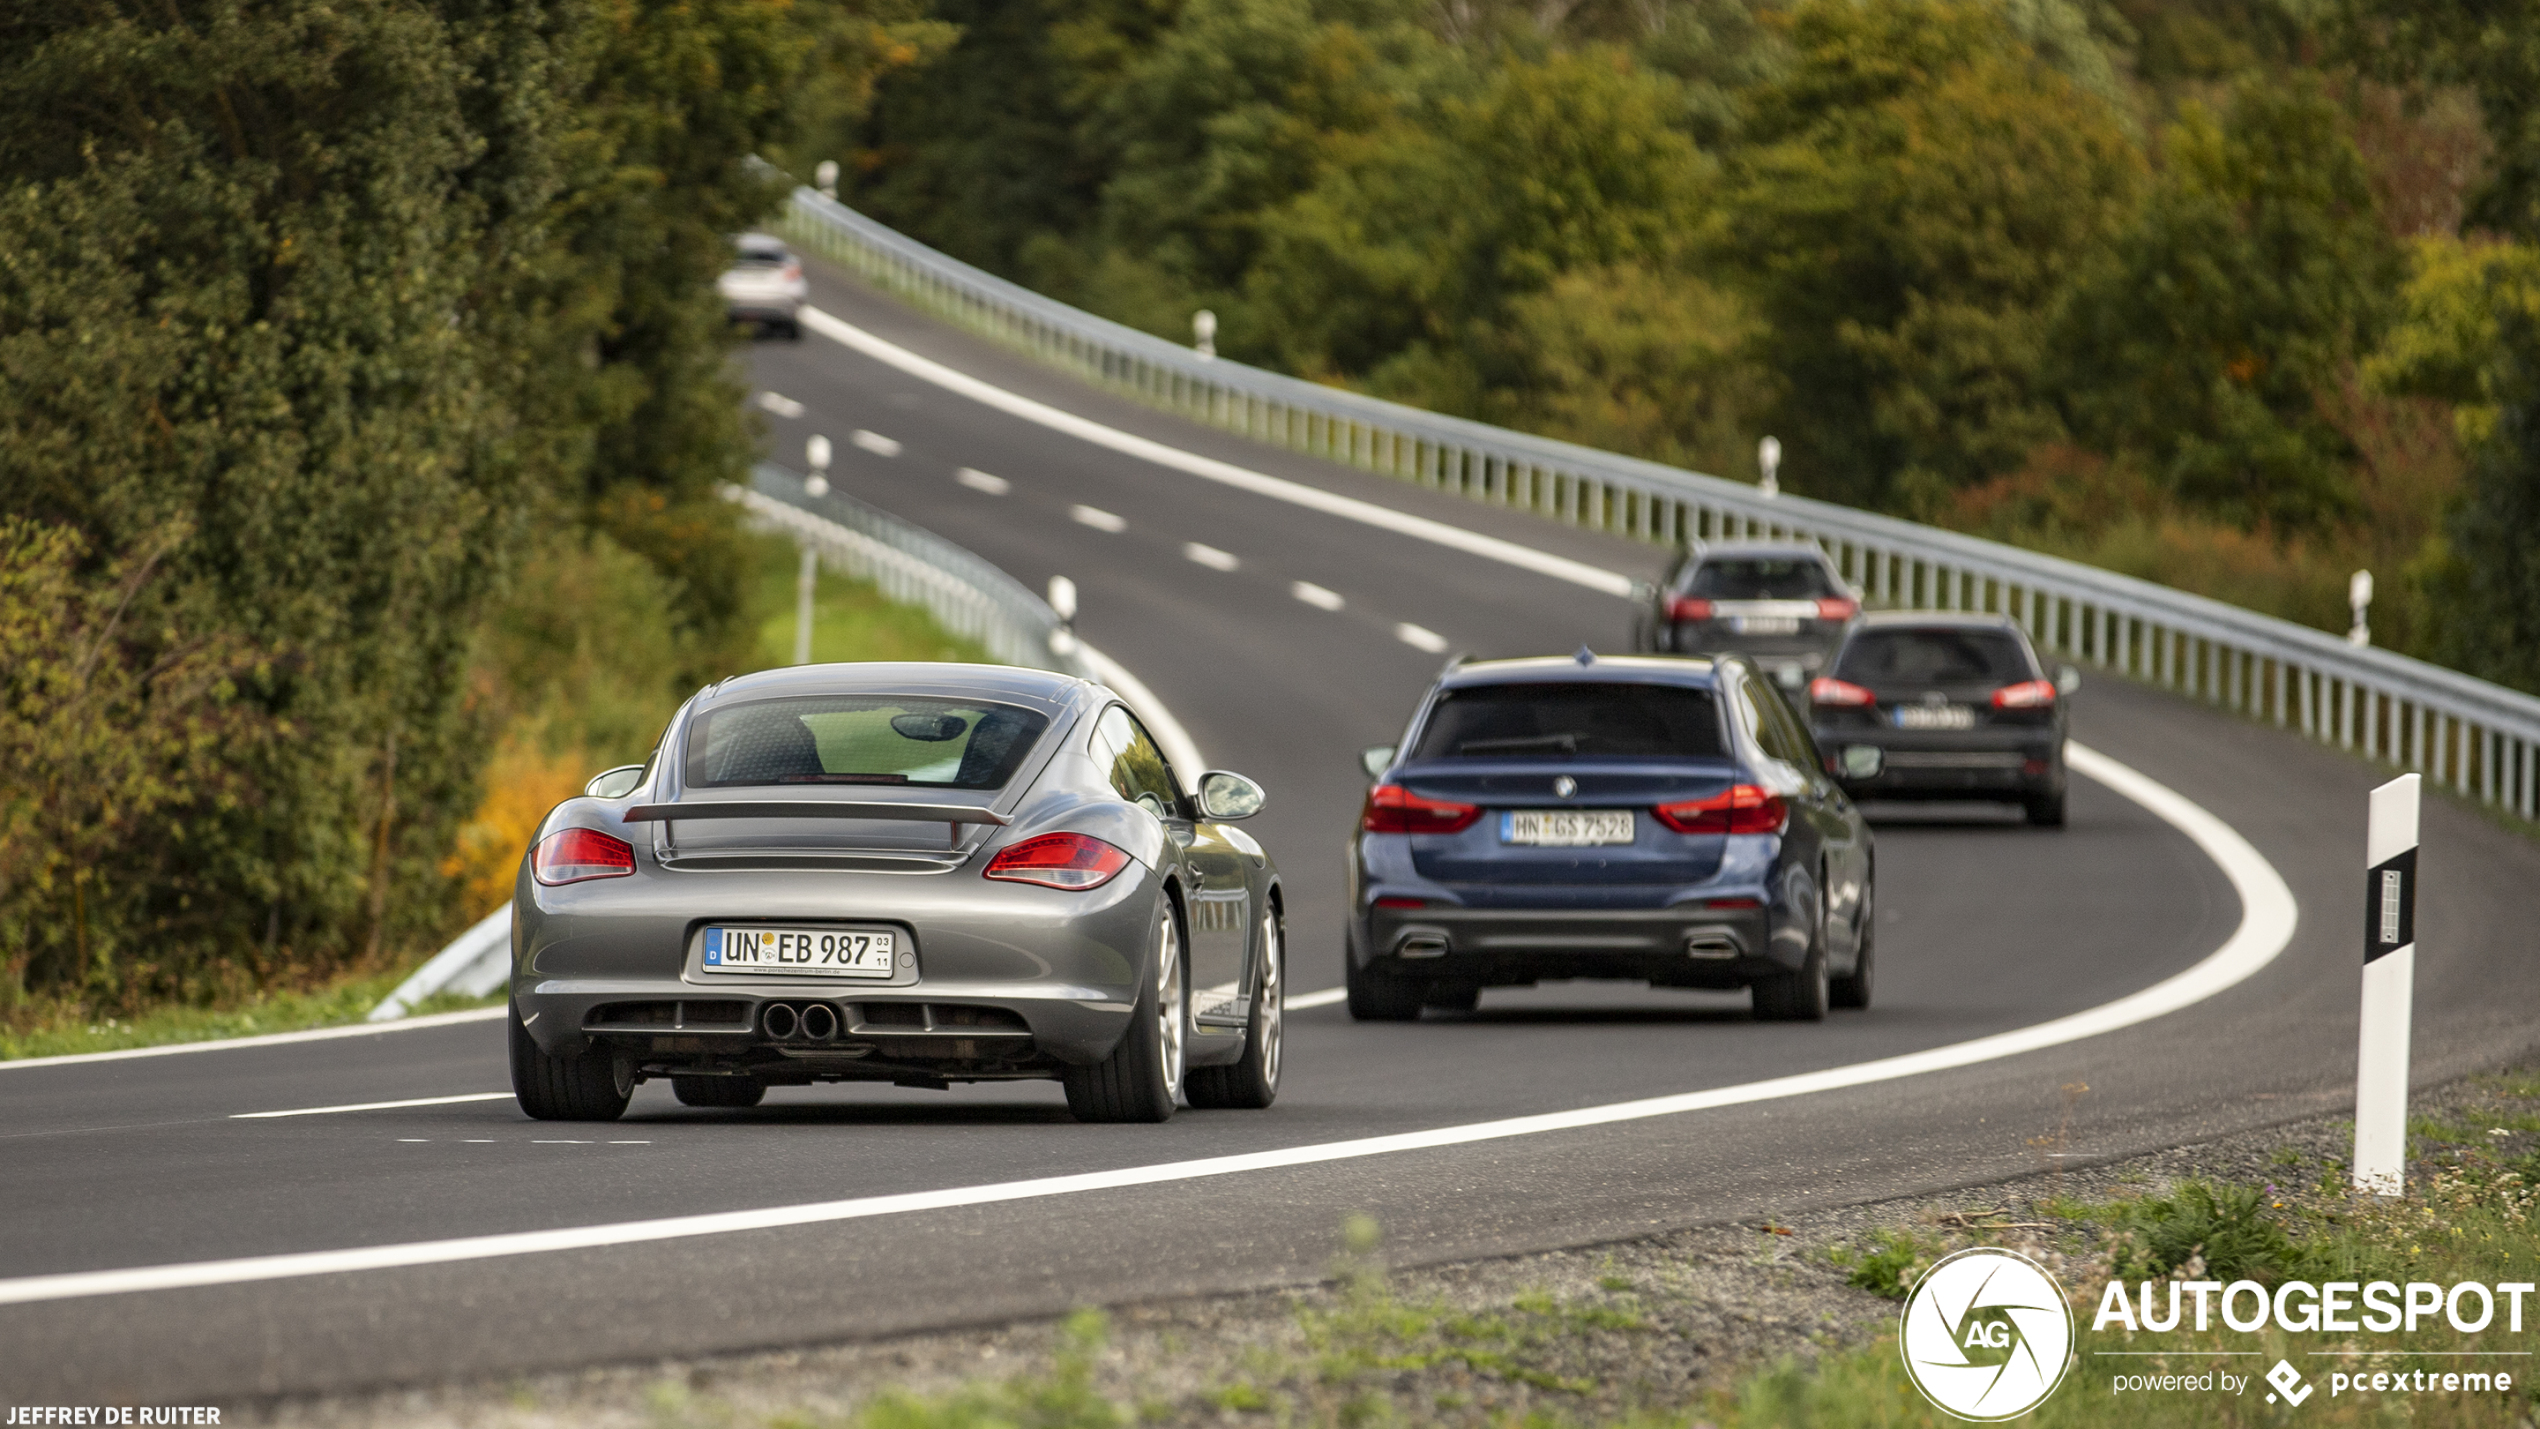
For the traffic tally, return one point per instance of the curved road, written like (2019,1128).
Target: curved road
(1986,926)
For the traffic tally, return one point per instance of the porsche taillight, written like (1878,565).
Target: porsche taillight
(573,855)
(1392,809)
(1740,809)
(1074,862)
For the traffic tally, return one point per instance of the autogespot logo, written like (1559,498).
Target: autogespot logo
(1986,1334)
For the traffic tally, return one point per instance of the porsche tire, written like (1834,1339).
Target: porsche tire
(1142,1078)
(1252,1080)
(594,1086)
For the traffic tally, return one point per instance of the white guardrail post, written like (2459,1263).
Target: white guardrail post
(2481,739)
(2390,960)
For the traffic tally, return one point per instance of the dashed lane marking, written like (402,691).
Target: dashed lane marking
(1097,518)
(978,480)
(1420,637)
(780,404)
(875,442)
(1211,557)
(1316,596)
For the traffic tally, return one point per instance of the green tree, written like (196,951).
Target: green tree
(1922,188)
(2256,273)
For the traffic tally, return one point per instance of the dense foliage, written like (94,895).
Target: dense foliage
(2172,287)
(353,356)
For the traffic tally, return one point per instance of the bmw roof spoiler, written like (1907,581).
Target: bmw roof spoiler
(814,809)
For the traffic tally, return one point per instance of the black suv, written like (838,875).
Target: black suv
(1957,707)
(1781,604)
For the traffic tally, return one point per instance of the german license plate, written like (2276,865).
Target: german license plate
(1935,717)
(802,952)
(1566,828)
(1765,625)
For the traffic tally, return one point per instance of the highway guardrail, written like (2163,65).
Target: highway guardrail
(2480,739)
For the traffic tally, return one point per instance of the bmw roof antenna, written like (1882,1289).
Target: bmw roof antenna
(1585,656)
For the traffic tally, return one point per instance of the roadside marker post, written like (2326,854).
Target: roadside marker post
(2390,961)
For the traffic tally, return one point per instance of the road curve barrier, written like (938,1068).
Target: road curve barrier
(967,594)
(2480,739)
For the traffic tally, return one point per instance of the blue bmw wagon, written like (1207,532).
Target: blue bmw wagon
(1655,819)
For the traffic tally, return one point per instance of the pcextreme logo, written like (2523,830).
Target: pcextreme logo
(1986,1334)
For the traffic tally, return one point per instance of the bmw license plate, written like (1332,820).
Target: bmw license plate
(1765,625)
(1566,828)
(1935,717)
(802,952)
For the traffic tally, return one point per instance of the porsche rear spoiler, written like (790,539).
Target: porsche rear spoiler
(814,809)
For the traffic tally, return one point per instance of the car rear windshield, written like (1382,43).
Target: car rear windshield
(1579,719)
(861,739)
(1761,578)
(1933,657)
(761,258)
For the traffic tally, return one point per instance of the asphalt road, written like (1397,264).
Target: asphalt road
(1986,926)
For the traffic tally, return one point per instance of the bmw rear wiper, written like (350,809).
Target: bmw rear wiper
(1566,743)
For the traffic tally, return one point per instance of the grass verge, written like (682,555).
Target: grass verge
(68,1030)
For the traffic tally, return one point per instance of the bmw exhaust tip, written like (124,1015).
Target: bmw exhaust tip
(780,1022)
(819,1022)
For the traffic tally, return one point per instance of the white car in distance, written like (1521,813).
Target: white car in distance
(764,287)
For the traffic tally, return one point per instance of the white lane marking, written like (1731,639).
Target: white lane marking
(371,1106)
(2267,917)
(630,1143)
(476,1141)
(978,480)
(780,404)
(269,1039)
(559,1143)
(415,1140)
(1211,557)
(1316,596)
(1304,1000)
(875,442)
(1097,518)
(1180,750)
(1209,468)
(1420,637)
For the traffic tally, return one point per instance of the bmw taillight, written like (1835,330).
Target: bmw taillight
(1741,809)
(1836,607)
(1685,607)
(1074,862)
(2026,695)
(1392,809)
(1827,690)
(572,855)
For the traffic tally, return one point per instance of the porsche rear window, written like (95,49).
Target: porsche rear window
(861,739)
(1578,719)
(1934,657)
(1761,578)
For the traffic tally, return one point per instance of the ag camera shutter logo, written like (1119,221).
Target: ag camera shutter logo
(1986,1335)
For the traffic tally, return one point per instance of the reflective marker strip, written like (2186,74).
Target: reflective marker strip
(2267,917)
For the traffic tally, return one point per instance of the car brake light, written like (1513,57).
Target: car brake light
(572,855)
(1836,607)
(1685,607)
(1392,809)
(1827,690)
(2026,695)
(1074,862)
(1744,809)
(793,272)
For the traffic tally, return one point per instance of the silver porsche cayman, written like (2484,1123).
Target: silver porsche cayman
(915,874)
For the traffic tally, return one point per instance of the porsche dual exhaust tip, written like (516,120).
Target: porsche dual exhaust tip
(810,1022)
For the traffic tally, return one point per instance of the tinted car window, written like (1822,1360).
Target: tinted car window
(1934,657)
(1775,729)
(1749,578)
(860,739)
(1136,767)
(761,257)
(1572,719)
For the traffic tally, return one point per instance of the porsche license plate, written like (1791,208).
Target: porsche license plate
(1566,828)
(1935,717)
(802,952)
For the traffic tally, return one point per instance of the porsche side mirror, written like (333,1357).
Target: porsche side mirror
(1226,796)
(1376,759)
(2067,679)
(615,783)
(1863,761)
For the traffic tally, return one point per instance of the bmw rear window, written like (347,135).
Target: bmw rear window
(1761,578)
(1573,719)
(861,739)
(1934,657)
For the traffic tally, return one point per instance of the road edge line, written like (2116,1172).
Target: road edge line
(2268,916)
